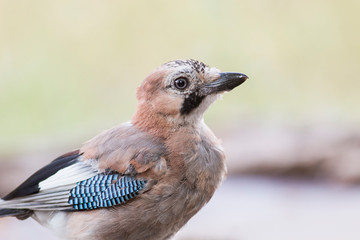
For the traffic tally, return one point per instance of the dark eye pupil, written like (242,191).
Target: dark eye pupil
(181,83)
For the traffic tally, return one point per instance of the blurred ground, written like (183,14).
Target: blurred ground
(317,151)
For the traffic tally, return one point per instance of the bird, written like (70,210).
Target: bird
(142,179)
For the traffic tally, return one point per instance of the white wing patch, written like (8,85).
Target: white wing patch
(69,175)
(54,191)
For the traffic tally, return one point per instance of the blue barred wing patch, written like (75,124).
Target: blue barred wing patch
(104,190)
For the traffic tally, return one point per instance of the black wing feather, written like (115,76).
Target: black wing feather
(31,185)
(19,213)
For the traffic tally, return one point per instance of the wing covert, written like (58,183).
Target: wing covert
(104,190)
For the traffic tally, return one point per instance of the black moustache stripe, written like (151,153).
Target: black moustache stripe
(191,102)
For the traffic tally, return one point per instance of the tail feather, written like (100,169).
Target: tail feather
(18,213)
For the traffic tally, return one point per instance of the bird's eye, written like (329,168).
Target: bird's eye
(181,83)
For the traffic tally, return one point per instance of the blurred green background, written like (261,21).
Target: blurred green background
(69,69)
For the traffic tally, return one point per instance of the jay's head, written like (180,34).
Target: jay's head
(182,90)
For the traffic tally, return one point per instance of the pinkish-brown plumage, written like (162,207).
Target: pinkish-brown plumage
(166,144)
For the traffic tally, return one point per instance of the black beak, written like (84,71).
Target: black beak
(226,82)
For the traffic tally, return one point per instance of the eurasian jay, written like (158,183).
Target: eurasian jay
(143,179)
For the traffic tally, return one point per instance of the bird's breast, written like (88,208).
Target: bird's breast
(199,167)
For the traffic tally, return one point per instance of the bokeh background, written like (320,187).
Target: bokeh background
(69,69)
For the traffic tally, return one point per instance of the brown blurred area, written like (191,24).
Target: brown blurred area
(291,133)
